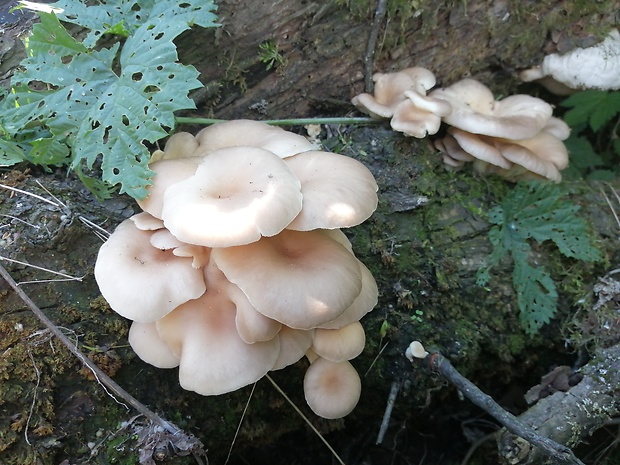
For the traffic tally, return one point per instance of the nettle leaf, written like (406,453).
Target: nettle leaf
(594,107)
(104,103)
(122,17)
(536,211)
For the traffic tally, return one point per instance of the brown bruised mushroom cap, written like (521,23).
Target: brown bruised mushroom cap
(338,191)
(146,343)
(251,134)
(141,282)
(475,110)
(167,173)
(213,357)
(390,88)
(339,344)
(332,389)
(235,196)
(305,278)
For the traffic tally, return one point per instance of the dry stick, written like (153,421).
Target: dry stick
(442,365)
(369,58)
(100,375)
(388,411)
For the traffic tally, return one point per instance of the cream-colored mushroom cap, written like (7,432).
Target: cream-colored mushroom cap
(363,303)
(301,279)
(338,191)
(146,343)
(389,91)
(250,133)
(236,196)
(213,358)
(339,344)
(179,145)
(167,173)
(332,389)
(475,110)
(294,343)
(481,147)
(141,282)
(419,115)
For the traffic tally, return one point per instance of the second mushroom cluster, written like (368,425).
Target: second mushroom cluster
(238,265)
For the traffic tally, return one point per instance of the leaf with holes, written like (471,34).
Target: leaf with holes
(105,103)
(122,17)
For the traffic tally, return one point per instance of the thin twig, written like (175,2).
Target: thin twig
(15,189)
(104,379)
(388,411)
(245,409)
(369,57)
(68,277)
(305,418)
(442,365)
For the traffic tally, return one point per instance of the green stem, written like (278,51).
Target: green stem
(284,122)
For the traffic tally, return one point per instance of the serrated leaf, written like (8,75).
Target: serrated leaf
(582,154)
(122,17)
(594,107)
(49,151)
(536,295)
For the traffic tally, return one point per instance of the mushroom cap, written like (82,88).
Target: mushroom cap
(250,133)
(146,343)
(179,145)
(147,222)
(475,110)
(213,357)
(340,344)
(364,303)
(338,191)
(526,162)
(453,154)
(235,196)
(596,67)
(141,282)
(332,389)
(390,88)
(294,343)
(481,147)
(252,326)
(305,279)
(419,115)
(167,173)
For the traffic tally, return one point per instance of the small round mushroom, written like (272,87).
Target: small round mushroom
(146,343)
(213,357)
(294,343)
(141,282)
(235,196)
(332,389)
(341,344)
(250,133)
(475,110)
(305,279)
(338,191)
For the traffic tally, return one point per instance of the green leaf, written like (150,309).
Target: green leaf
(594,107)
(536,295)
(541,212)
(122,17)
(11,153)
(49,151)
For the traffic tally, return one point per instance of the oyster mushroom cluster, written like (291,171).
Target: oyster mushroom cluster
(237,266)
(517,137)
